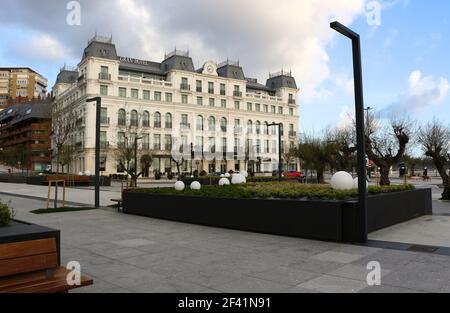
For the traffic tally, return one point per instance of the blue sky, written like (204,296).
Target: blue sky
(405,58)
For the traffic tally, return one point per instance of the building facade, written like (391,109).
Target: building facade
(20,83)
(215,117)
(25,131)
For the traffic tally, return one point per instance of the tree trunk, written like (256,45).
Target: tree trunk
(384,176)
(446,193)
(320,177)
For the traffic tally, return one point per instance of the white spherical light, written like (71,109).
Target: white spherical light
(355,183)
(87,173)
(224,182)
(80,173)
(238,179)
(227,175)
(222,175)
(195,185)
(244,173)
(342,181)
(179,186)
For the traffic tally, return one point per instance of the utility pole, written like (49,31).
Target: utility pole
(98,102)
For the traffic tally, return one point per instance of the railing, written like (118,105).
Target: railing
(105,121)
(185,126)
(185,87)
(199,89)
(281,73)
(81,78)
(211,91)
(104,144)
(237,129)
(104,76)
(222,92)
(291,101)
(237,94)
(292,134)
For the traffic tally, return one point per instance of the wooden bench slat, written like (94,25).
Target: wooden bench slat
(37,283)
(28,264)
(27,248)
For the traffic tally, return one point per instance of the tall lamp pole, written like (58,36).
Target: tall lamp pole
(361,227)
(98,101)
(280,165)
(135,159)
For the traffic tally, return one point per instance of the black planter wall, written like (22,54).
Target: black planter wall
(321,220)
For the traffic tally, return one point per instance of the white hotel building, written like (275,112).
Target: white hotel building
(215,108)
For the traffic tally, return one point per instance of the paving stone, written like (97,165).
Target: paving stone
(333,284)
(286,275)
(356,272)
(336,256)
(252,285)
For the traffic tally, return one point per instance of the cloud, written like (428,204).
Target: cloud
(423,92)
(264,35)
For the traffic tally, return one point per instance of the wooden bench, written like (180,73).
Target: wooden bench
(33,267)
(119,203)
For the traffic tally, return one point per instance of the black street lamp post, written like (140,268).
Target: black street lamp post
(280,165)
(361,232)
(98,101)
(135,159)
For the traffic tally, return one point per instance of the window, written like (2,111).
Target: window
(258,127)
(282,129)
(157,96)
(266,108)
(157,142)
(145,141)
(266,128)
(199,100)
(103,144)
(258,107)
(104,116)
(212,102)
(134,118)
(211,123)
(273,109)
(280,110)
(184,120)
(222,90)
(210,87)
(168,97)
(122,92)
(104,73)
(103,90)
(146,94)
(223,103)
(212,144)
(121,140)
(168,143)
(249,127)
(146,119)
(168,121)
(184,99)
(267,146)
(199,122)
(134,93)
(224,145)
(157,120)
(104,70)
(291,111)
(198,86)
(122,118)
(249,106)
(237,105)
(223,124)
(184,83)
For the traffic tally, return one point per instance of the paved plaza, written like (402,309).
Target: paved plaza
(126,253)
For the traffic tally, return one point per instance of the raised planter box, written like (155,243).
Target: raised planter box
(21,231)
(321,220)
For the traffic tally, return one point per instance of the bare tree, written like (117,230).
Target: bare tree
(63,125)
(344,139)
(435,141)
(386,144)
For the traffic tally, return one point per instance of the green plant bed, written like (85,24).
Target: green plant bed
(278,190)
(61,210)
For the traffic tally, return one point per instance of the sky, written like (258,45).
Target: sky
(405,45)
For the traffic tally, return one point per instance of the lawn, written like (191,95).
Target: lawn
(275,190)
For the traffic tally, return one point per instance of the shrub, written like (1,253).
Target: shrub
(6,214)
(278,190)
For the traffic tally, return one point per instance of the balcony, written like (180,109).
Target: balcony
(292,101)
(222,93)
(199,89)
(104,144)
(237,129)
(292,134)
(104,76)
(185,126)
(237,94)
(81,79)
(105,121)
(185,87)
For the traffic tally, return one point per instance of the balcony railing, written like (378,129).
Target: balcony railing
(199,89)
(104,76)
(185,87)
(222,93)
(104,144)
(104,121)
(237,94)
(292,134)
(291,101)
(185,126)
(211,91)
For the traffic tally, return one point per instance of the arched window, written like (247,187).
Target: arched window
(258,127)
(146,119)
(168,121)
(211,123)
(266,128)
(157,121)
(249,127)
(223,124)
(122,118)
(274,129)
(134,118)
(199,122)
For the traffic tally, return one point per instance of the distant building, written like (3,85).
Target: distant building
(28,126)
(20,82)
(212,109)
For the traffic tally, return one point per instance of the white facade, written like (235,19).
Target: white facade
(156,98)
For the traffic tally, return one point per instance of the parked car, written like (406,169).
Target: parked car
(292,174)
